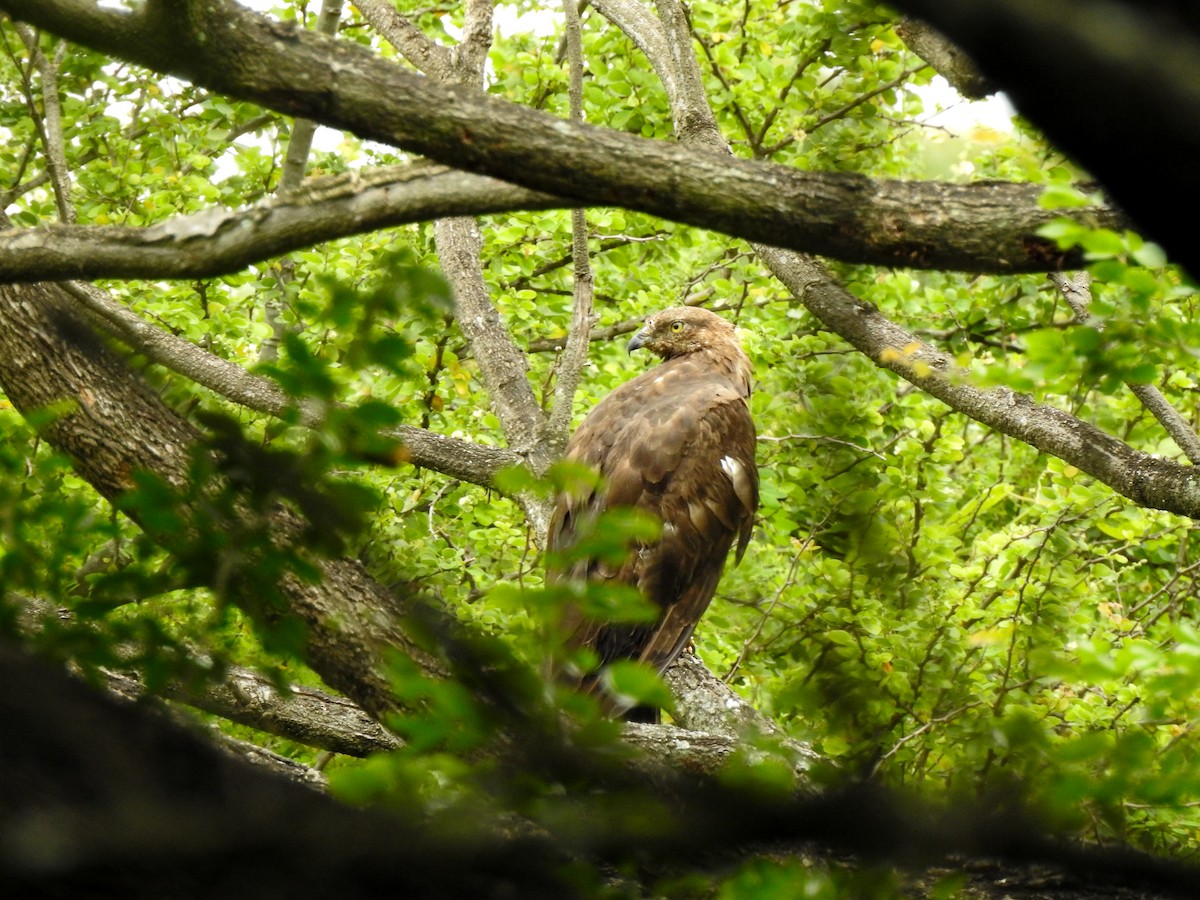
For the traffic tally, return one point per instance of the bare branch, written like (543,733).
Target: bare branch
(1078,294)
(217,242)
(347,86)
(574,356)
(426,54)
(460,459)
(949,60)
(50,125)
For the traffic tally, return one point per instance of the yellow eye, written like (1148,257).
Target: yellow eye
(676,327)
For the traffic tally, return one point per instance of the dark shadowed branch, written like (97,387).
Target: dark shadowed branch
(839,215)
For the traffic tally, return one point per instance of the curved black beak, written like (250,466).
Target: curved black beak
(638,340)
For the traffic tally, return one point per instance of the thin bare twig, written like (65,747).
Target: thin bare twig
(1076,290)
(49,123)
(299,147)
(571,362)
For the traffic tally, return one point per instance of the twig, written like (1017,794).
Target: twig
(49,123)
(1076,290)
(574,355)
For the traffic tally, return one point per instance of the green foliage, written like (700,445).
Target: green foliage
(925,601)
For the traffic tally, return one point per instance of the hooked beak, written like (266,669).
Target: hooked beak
(638,340)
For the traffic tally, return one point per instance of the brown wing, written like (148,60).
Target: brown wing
(678,442)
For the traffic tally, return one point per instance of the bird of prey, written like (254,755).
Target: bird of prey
(677,442)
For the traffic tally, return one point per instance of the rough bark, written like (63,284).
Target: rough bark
(301,714)
(502,365)
(218,241)
(1143,478)
(112,425)
(839,215)
(103,799)
(1111,82)
(949,61)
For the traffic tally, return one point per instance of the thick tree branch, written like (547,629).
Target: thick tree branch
(219,242)
(346,86)
(464,460)
(112,426)
(300,714)
(949,61)
(705,704)
(414,45)
(1110,82)
(1144,479)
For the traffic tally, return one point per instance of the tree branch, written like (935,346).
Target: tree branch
(1124,87)
(219,242)
(114,426)
(49,123)
(574,356)
(1078,293)
(706,704)
(300,714)
(346,86)
(949,61)
(300,142)
(1141,477)
(1144,479)
(414,45)
(464,460)
(502,366)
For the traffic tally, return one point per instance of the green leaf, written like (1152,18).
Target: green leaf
(638,683)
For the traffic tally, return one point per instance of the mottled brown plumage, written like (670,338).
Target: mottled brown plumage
(678,442)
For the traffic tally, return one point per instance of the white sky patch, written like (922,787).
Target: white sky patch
(538,22)
(946,108)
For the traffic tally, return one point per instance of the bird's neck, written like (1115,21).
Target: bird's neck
(730,362)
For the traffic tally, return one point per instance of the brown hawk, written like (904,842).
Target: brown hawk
(677,442)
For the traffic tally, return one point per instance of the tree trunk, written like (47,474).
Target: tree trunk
(111,425)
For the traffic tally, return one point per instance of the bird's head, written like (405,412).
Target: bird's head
(682,330)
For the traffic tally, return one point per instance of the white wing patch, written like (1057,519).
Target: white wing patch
(736,473)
